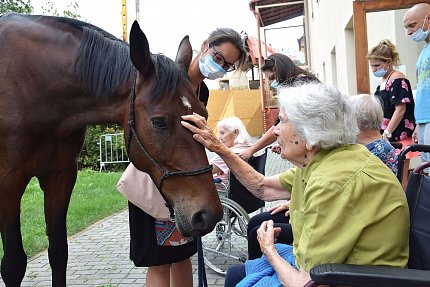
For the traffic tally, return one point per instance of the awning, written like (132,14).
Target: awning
(274,11)
(254,52)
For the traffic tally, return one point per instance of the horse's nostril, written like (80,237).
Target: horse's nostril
(202,223)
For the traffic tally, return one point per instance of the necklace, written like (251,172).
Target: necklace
(389,76)
(384,83)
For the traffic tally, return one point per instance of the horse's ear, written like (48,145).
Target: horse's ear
(185,54)
(139,50)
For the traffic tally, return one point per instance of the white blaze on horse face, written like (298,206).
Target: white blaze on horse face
(185,102)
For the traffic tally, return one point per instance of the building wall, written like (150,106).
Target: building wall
(332,45)
(326,22)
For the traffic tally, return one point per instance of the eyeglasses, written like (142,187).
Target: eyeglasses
(219,59)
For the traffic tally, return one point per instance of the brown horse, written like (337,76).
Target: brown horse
(58,75)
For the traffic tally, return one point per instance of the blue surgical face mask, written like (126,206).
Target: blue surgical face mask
(209,68)
(419,35)
(380,73)
(275,84)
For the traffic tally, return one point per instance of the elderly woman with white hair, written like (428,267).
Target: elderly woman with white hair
(233,134)
(368,110)
(344,203)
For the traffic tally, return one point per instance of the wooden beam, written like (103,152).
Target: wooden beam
(360,35)
(383,5)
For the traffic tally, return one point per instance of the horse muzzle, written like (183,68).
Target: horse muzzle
(199,223)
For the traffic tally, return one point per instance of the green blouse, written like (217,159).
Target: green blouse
(347,207)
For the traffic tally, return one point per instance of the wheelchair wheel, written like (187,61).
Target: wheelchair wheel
(227,245)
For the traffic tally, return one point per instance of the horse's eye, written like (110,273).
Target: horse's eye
(159,124)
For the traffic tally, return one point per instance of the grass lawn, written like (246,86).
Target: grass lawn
(94,197)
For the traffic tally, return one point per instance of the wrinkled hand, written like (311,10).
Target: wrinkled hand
(202,132)
(266,235)
(285,206)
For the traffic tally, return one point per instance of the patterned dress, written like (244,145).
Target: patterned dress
(386,152)
(395,92)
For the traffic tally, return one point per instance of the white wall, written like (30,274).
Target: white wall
(327,21)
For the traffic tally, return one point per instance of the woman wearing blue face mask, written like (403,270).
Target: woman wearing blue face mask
(394,92)
(223,51)
(279,70)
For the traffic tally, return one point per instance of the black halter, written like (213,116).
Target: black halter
(165,173)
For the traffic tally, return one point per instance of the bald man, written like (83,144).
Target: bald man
(417,25)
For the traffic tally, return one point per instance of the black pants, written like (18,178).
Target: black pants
(286,235)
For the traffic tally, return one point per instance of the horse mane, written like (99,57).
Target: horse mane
(104,64)
(103,61)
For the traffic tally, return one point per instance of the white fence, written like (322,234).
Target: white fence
(112,150)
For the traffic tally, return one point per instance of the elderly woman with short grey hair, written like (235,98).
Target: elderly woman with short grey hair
(233,134)
(368,110)
(344,204)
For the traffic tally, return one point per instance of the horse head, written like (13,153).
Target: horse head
(159,145)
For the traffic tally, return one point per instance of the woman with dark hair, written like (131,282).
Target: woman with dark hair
(223,51)
(280,70)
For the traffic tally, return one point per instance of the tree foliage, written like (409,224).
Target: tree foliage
(19,6)
(71,10)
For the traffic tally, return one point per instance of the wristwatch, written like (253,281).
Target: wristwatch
(388,134)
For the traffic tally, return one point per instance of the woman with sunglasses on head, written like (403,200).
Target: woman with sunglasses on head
(157,243)
(395,93)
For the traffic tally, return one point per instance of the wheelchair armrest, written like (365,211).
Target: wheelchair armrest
(372,276)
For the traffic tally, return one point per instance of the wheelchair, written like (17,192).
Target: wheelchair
(417,274)
(227,244)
